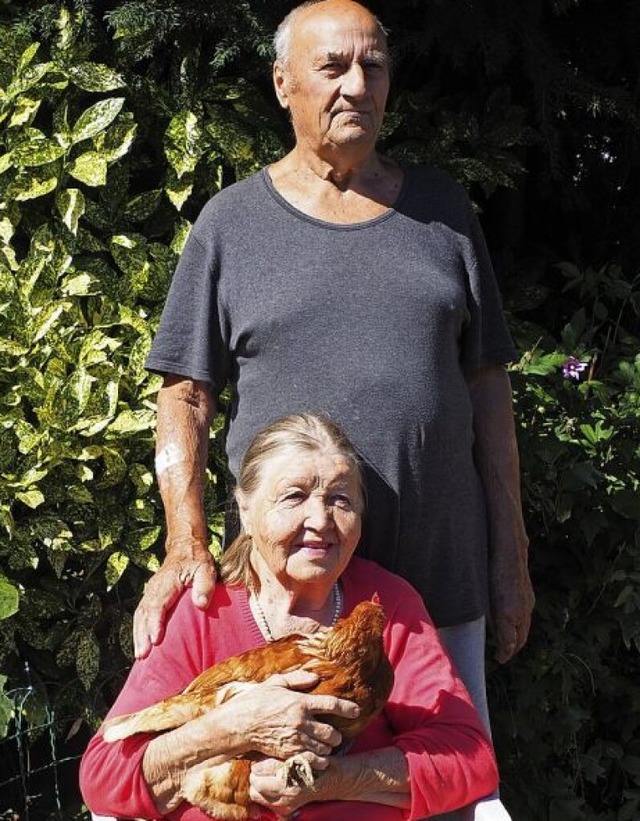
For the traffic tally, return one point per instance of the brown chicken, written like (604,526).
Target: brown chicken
(350,663)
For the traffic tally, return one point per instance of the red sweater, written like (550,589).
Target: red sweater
(428,716)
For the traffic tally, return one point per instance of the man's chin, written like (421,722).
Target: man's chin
(353,134)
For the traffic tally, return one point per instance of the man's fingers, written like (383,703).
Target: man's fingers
(510,639)
(506,647)
(203,584)
(161,592)
(141,641)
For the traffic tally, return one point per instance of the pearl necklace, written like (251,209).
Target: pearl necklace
(264,624)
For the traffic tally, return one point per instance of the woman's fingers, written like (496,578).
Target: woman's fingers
(331,705)
(293,680)
(284,721)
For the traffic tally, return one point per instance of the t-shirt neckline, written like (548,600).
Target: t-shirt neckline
(336,226)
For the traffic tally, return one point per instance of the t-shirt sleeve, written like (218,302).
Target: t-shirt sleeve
(486,340)
(190,340)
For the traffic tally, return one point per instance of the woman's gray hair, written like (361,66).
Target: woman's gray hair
(282,37)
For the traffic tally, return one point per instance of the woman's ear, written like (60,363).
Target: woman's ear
(243,509)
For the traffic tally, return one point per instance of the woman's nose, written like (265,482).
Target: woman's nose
(318,512)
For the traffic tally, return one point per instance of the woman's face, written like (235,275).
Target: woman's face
(305,515)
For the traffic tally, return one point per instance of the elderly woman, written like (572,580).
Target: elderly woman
(293,571)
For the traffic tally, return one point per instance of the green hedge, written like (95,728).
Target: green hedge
(113,133)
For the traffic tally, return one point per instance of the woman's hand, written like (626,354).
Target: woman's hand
(276,719)
(273,718)
(379,776)
(272,787)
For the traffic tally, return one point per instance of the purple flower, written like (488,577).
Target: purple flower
(572,368)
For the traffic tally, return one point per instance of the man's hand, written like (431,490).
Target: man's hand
(512,601)
(180,569)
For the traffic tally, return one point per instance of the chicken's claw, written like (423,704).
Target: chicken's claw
(298,772)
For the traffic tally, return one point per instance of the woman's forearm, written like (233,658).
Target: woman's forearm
(377,776)
(380,776)
(169,756)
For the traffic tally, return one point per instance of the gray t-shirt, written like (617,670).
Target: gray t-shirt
(372,324)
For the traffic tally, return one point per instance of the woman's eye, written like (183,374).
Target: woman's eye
(342,501)
(294,496)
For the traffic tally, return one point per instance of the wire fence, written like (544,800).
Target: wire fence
(38,774)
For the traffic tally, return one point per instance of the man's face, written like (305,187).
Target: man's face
(336,80)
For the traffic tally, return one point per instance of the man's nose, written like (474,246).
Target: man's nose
(354,82)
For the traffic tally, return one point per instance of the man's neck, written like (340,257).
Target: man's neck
(345,170)
(340,192)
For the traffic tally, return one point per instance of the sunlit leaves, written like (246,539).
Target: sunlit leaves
(32,184)
(25,109)
(95,77)
(96,118)
(117,563)
(183,142)
(35,149)
(73,338)
(27,77)
(89,168)
(71,206)
(6,707)
(9,598)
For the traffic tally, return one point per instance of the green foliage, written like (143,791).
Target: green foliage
(568,723)
(118,119)
(93,186)
(76,406)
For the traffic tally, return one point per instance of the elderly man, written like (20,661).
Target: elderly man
(337,281)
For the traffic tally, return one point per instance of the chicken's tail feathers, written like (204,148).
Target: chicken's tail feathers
(174,712)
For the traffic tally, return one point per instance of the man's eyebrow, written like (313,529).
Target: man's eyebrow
(338,56)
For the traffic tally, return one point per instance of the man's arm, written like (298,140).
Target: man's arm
(496,456)
(185,411)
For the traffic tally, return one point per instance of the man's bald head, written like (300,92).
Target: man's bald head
(284,32)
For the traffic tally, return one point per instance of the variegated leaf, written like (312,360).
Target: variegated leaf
(71,207)
(95,77)
(90,168)
(96,118)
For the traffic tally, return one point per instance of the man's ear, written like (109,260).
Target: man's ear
(280,83)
